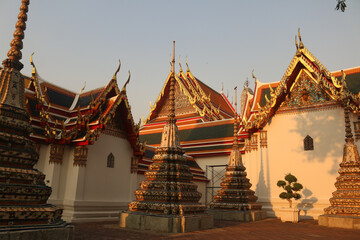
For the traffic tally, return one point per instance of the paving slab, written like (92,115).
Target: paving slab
(268,229)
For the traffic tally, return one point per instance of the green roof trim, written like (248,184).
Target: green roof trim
(353,82)
(218,131)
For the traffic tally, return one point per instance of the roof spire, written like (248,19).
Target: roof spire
(14,54)
(235,144)
(348,135)
(172,88)
(173,59)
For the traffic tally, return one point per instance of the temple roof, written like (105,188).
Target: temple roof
(64,117)
(193,99)
(277,96)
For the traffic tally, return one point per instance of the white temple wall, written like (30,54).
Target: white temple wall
(316,170)
(203,162)
(108,184)
(93,192)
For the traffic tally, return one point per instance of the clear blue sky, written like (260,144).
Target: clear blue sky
(81,40)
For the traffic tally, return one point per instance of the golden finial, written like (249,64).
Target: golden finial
(180,65)
(222,87)
(298,54)
(127,82)
(117,70)
(187,65)
(32,64)
(253,76)
(14,54)
(301,45)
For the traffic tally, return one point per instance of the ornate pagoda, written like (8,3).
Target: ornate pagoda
(23,194)
(168,200)
(235,200)
(344,211)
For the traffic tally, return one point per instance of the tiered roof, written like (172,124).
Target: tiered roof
(204,117)
(63,117)
(195,101)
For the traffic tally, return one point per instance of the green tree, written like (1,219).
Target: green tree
(291,187)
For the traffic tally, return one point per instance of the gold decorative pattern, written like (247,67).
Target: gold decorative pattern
(80,156)
(56,153)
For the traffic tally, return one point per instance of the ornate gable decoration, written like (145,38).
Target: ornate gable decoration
(316,75)
(182,104)
(305,92)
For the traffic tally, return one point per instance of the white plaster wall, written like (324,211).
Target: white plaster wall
(210,161)
(108,184)
(316,170)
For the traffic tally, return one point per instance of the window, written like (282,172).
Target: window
(110,161)
(308,143)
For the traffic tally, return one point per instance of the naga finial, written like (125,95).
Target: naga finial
(14,54)
(253,76)
(180,64)
(187,65)
(127,82)
(298,54)
(301,45)
(117,70)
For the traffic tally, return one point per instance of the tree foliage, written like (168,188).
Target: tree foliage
(341,5)
(291,187)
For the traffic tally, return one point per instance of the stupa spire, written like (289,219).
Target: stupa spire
(172,88)
(346,198)
(18,153)
(235,192)
(14,54)
(235,144)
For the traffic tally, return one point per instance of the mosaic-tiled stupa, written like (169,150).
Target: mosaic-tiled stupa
(344,211)
(168,192)
(23,193)
(235,200)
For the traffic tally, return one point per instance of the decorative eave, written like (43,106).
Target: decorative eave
(84,124)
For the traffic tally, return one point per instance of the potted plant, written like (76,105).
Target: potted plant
(291,187)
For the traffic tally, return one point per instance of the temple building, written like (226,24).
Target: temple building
(88,146)
(294,125)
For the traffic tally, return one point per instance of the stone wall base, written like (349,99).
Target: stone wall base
(65,232)
(236,215)
(166,223)
(349,222)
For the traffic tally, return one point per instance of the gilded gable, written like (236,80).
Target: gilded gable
(182,104)
(305,92)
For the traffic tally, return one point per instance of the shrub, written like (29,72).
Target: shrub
(291,187)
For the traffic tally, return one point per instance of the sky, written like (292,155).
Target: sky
(81,41)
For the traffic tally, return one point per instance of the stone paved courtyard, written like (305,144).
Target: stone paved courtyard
(270,228)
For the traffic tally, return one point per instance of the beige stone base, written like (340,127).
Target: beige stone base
(288,214)
(35,233)
(163,223)
(234,215)
(339,221)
